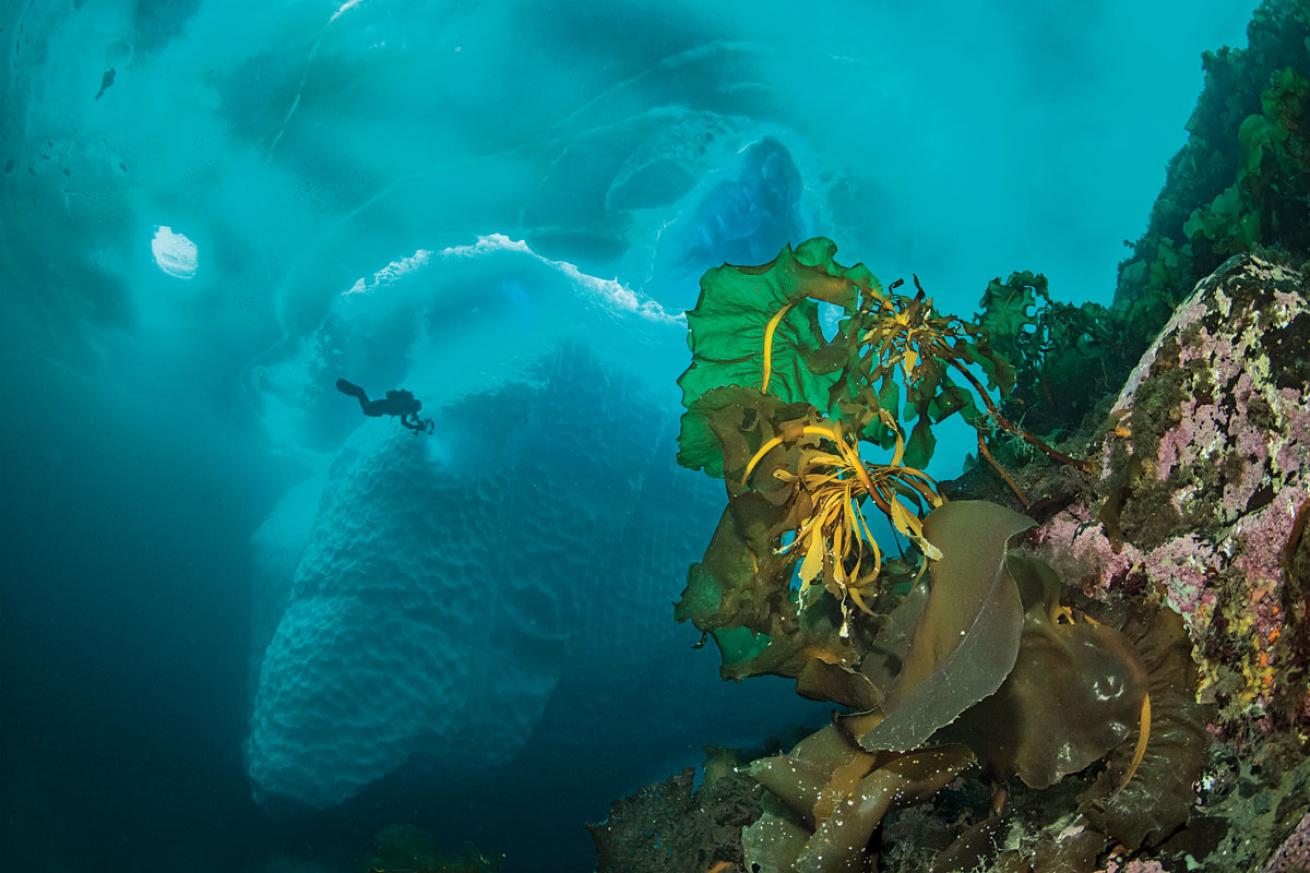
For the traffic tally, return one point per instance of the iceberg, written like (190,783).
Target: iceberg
(465,597)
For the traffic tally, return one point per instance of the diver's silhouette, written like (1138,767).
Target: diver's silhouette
(400,403)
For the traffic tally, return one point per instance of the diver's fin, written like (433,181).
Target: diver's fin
(351,389)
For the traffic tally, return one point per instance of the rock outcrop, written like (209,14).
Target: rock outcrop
(1204,486)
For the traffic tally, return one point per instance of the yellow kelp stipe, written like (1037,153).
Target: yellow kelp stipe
(769,330)
(1143,737)
(835,538)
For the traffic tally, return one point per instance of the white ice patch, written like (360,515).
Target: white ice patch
(348,5)
(391,272)
(496,242)
(174,253)
(610,291)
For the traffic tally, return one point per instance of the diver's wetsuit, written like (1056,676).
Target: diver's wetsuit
(400,403)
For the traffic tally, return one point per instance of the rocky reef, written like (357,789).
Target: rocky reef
(1092,654)
(402,848)
(1197,502)
(678,825)
(1202,493)
(1182,528)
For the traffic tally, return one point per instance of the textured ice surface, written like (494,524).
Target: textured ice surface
(507,580)
(275,550)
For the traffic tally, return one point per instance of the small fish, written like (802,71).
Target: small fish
(105,82)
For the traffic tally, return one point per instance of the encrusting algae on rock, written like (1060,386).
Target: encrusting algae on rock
(1201,505)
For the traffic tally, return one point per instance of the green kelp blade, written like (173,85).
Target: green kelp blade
(1000,373)
(737,646)
(740,582)
(727,329)
(923,397)
(735,586)
(791,649)
(967,638)
(733,422)
(1009,310)
(952,398)
(921,444)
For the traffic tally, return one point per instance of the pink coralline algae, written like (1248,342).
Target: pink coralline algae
(1182,567)
(1294,855)
(1201,482)
(1133,866)
(1136,866)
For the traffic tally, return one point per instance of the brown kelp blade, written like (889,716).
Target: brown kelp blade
(967,637)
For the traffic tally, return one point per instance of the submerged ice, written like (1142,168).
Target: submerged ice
(174,253)
(451,592)
(473,603)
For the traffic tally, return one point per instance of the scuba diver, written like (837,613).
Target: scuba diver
(398,402)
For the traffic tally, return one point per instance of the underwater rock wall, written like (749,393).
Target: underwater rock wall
(1204,487)
(1239,182)
(475,596)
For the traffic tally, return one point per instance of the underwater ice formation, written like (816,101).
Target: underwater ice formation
(275,548)
(465,596)
(174,253)
(746,219)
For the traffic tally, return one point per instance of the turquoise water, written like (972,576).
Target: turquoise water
(244,627)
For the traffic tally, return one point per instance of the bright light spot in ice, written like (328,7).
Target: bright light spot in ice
(610,291)
(174,253)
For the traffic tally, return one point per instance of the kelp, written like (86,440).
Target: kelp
(764,328)
(1240,180)
(814,639)
(786,401)
(792,473)
(832,796)
(1158,799)
(743,582)
(984,661)
(1063,354)
(759,327)
(959,652)
(1267,199)
(1239,184)
(1077,691)
(904,338)
(967,636)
